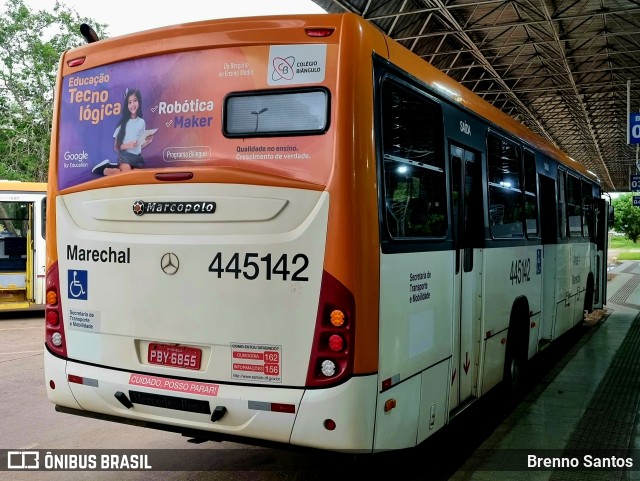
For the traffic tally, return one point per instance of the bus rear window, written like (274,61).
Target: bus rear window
(276,113)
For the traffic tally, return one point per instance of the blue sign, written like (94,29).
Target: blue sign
(634,128)
(634,183)
(636,200)
(78,284)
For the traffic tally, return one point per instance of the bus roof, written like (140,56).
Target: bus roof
(19,186)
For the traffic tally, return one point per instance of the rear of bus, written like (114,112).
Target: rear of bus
(212,289)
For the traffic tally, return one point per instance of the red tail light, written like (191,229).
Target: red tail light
(331,359)
(54,327)
(319,32)
(74,62)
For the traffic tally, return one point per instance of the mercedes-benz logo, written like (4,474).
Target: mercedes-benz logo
(169,263)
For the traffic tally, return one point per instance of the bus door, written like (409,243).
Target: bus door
(16,273)
(29,280)
(601,218)
(468,233)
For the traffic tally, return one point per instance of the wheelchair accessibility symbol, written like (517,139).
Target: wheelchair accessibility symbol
(78,284)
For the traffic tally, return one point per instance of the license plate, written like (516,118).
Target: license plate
(174,356)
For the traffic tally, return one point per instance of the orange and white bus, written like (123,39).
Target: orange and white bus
(306,235)
(22,245)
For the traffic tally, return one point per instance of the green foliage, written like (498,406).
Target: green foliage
(627,217)
(31,44)
(626,249)
(629,256)
(621,242)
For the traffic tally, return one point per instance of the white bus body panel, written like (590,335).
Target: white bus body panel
(416,308)
(416,311)
(55,369)
(564,307)
(503,284)
(351,405)
(501,291)
(194,307)
(567,267)
(398,428)
(421,409)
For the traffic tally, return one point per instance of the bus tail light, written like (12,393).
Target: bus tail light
(331,359)
(76,62)
(54,327)
(319,32)
(336,343)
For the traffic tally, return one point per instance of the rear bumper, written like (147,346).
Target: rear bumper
(253,413)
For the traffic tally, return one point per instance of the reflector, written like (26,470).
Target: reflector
(329,424)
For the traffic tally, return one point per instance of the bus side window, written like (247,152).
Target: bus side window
(506,203)
(413,164)
(530,195)
(562,205)
(587,211)
(574,206)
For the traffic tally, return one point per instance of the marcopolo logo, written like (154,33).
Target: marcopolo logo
(140,207)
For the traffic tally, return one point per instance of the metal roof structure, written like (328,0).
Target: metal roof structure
(561,67)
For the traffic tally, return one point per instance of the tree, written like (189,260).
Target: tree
(31,44)
(627,217)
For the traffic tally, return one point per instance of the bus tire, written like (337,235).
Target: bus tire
(515,363)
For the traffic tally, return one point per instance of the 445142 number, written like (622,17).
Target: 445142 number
(252,266)
(520,271)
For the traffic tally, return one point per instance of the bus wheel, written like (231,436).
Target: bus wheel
(515,363)
(514,369)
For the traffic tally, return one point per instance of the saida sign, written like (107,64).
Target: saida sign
(634,128)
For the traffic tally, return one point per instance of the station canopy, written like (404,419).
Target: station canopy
(561,67)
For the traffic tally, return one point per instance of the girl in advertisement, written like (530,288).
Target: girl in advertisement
(130,137)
